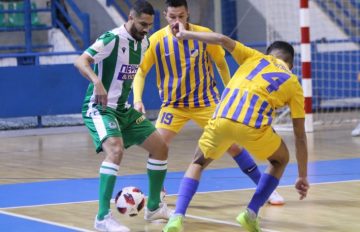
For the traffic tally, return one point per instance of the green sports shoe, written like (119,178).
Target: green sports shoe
(175,224)
(249,224)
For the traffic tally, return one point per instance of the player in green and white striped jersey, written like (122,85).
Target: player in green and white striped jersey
(112,122)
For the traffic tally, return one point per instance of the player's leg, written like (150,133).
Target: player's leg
(187,190)
(143,133)
(107,137)
(267,184)
(245,162)
(156,170)
(278,157)
(114,148)
(270,179)
(169,123)
(248,166)
(240,155)
(212,144)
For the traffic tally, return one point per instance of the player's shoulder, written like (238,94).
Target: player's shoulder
(199,28)
(109,36)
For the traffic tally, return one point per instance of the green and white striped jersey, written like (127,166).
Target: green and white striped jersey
(117,56)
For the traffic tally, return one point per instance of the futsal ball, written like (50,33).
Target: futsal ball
(130,201)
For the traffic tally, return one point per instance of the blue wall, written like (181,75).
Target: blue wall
(41,90)
(60,89)
(51,90)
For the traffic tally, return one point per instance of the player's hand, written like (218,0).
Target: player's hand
(100,94)
(302,186)
(139,106)
(181,30)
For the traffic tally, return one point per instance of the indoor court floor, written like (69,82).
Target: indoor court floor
(48,182)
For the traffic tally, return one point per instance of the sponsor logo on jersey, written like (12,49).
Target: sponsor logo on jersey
(127,71)
(194,52)
(140,120)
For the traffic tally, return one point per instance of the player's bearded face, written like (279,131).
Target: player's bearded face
(174,15)
(141,25)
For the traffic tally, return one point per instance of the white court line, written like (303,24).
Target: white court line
(45,221)
(223,222)
(189,216)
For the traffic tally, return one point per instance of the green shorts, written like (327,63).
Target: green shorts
(129,124)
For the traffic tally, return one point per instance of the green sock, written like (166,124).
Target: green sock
(108,173)
(156,170)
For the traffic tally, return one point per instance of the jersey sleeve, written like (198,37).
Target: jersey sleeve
(102,47)
(217,54)
(297,101)
(241,53)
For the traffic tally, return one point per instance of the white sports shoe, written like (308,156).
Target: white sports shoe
(356,131)
(163,212)
(109,224)
(276,199)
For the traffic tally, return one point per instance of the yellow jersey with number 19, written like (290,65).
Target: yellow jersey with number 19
(261,84)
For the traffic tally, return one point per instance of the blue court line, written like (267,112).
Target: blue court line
(77,190)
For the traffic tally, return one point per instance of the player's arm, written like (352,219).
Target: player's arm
(83,64)
(302,184)
(139,79)
(223,70)
(217,54)
(239,51)
(97,52)
(207,37)
(296,105)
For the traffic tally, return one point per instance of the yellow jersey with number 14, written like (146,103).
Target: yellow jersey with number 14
(261,84)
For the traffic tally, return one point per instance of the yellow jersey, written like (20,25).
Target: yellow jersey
(260,85)
(185,75)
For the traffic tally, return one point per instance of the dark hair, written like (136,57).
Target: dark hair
(142,7)
(286,49)
(176,3)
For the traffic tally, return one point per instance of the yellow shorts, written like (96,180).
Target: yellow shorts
(221,133)
(175,118)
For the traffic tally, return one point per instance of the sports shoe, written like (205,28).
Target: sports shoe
(356,131)
(175,224)
(109,224)
(276,199)
(163,212)
(246,222)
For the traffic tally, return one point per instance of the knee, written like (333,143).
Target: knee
(115,151)
(200,160)
(164,151)
(160,153)
(234,150)
(281,161)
